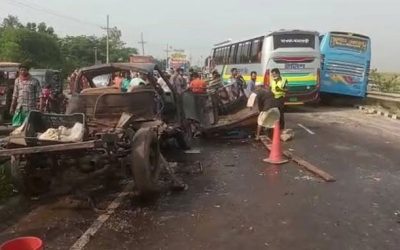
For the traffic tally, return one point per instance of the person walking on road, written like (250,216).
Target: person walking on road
(279,89)
(27,94)
(265,100)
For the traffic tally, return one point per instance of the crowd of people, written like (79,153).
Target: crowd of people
(268,97)
(228,91)
(28,95)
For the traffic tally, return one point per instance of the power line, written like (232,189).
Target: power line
(39,8)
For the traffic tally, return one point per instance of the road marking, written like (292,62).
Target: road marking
(306,129)
(98,223)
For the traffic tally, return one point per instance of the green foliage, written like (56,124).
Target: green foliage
(38,44)
(11,22)
(385,82)
(22,45)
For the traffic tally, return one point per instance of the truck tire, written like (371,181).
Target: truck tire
(185,136)
(25,180)
(145,161)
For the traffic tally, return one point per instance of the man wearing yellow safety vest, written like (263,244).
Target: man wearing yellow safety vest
(279,88)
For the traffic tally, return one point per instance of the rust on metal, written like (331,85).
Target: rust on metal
(49,148)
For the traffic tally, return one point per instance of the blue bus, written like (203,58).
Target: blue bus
(345,63)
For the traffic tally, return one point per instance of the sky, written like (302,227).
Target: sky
(196,25)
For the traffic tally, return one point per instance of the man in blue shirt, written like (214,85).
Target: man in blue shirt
(251,85)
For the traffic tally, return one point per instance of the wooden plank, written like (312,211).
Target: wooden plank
(50,148)
(310,167)
(303,163)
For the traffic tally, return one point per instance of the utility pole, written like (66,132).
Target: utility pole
(142,42)
(95,55)
(167,50)
(108,37)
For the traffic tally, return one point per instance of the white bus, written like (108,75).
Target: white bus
(295,53)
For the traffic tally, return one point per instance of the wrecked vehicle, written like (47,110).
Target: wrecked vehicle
(213,115)
(102,128)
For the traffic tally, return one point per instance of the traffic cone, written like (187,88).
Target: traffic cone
(275,156)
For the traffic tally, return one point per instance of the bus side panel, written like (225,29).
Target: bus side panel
(245,70)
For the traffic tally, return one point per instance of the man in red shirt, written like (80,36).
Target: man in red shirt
(197,85)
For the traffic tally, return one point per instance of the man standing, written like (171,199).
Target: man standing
(265,100)
(197,85)
(27,93)
(251,85)
(178,81)
(72,79)
(279,89)
(236,83)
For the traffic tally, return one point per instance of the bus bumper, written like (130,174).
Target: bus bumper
(301,98)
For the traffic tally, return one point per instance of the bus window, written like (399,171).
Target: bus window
(226,55)
(294,40)
(232,54)
(244,54)
(219,56)
(256,47)
(239,53)
(214,54)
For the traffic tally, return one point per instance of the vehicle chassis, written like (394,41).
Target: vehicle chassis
(114,138)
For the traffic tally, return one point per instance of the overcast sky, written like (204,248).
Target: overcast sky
(196,25)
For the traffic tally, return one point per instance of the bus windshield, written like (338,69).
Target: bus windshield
(294,40)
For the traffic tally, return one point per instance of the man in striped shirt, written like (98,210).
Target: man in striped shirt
(26,96)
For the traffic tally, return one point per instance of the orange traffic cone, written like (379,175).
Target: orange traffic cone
(275,156)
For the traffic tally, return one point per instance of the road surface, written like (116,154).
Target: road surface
(236,201)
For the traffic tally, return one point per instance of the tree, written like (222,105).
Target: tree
(78,51)
(162,63)
(50,31)
(118,51)
(11,22)
(42,27)
(24,45)
(38,43)
(31,26)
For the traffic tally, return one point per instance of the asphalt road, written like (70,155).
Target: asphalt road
(236,201)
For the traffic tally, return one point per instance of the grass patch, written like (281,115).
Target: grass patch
(385,82)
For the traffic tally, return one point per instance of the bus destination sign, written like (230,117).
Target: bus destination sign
(348,42)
